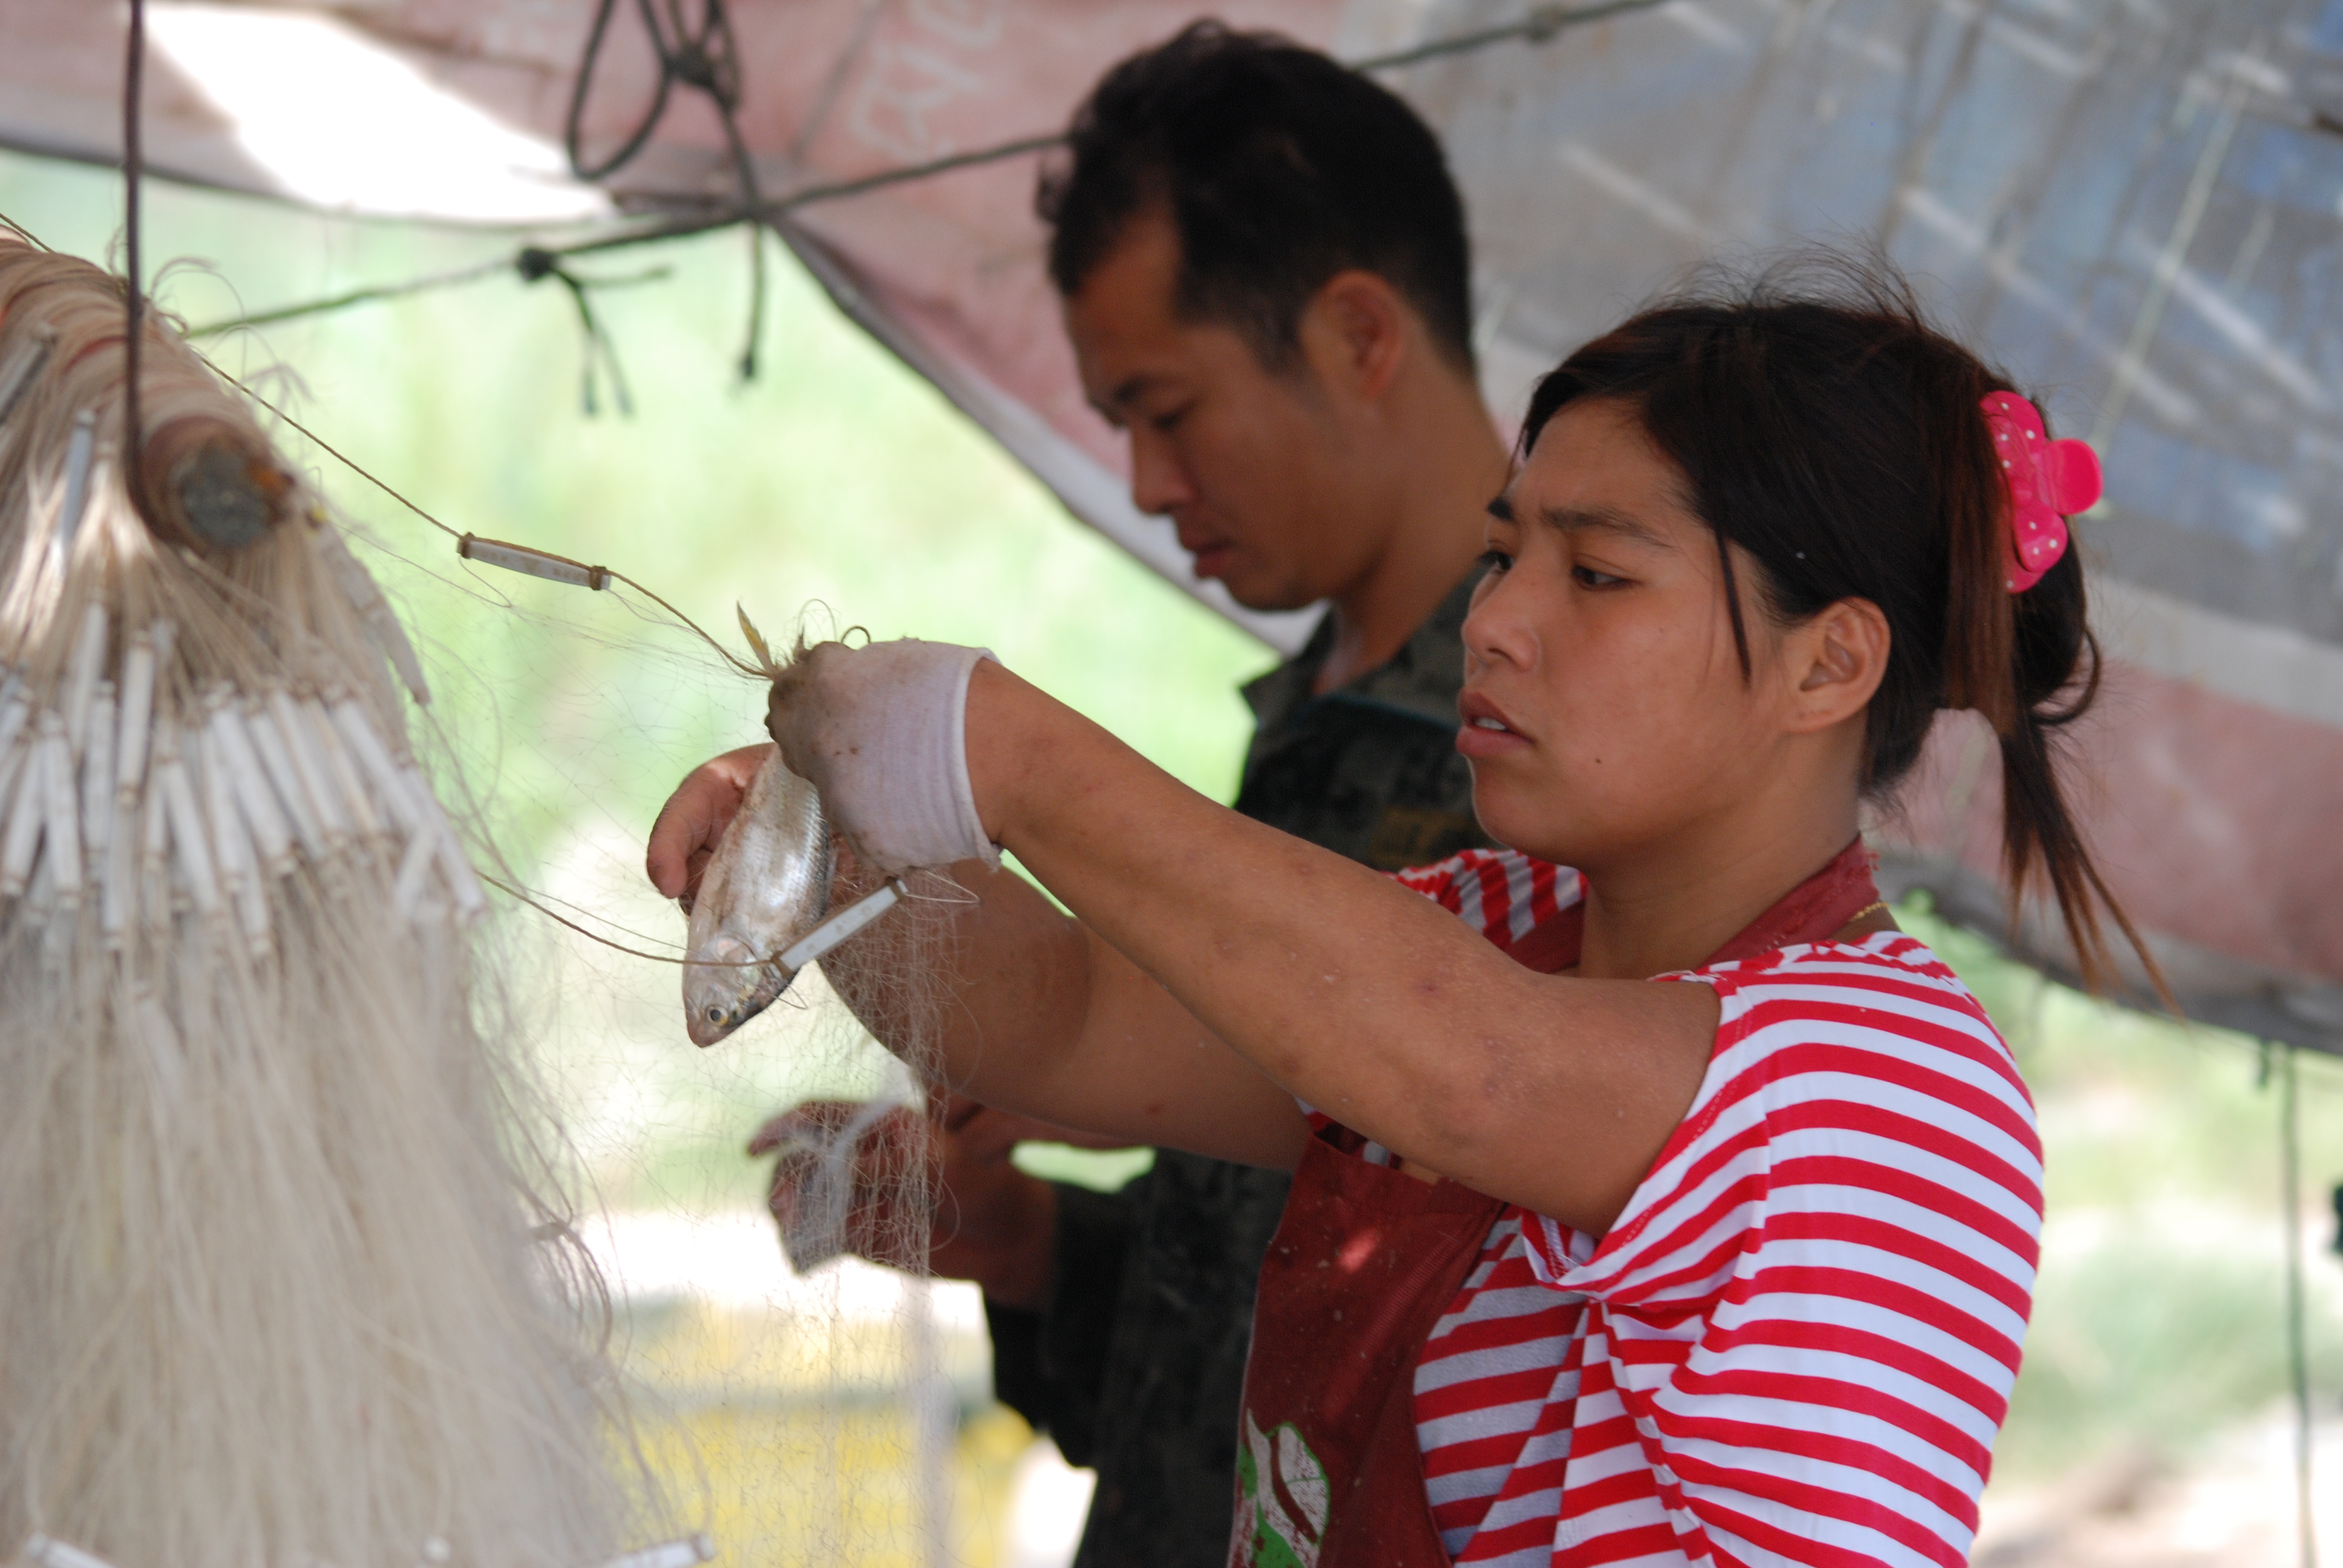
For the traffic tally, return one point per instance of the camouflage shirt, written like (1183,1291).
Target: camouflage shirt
(1136,1362)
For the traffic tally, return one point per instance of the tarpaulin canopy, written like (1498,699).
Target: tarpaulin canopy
(2132,205)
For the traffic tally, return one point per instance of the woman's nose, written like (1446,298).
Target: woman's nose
(1497,628)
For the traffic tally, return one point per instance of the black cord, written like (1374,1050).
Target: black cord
(573,130)
(706,58)
(535,265)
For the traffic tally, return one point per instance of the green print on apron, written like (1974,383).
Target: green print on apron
(1282,1497)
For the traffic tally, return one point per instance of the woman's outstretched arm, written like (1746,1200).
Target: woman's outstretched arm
(1220,968)
(1024,1007)
(1356,995)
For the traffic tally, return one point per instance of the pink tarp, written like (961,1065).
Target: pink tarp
(2133,210)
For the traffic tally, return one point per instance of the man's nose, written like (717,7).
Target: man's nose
(1159,483)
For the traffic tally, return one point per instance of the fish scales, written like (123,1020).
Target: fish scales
(767,885)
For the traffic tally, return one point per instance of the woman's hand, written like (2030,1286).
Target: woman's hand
(692,822)
(879,730)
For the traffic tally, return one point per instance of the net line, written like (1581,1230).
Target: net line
(1539,25)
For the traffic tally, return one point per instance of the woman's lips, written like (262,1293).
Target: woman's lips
(1486,731)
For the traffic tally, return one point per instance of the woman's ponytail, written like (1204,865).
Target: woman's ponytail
(2047,676)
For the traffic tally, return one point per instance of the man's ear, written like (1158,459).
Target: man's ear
(1839,656)
(1354,332)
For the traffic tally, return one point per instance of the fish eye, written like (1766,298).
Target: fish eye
(716,1015)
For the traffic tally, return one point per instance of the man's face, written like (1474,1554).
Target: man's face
(1255,467)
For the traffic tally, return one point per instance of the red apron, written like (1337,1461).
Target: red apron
(1364,1265)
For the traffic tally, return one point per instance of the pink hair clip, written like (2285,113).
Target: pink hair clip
(2049,481)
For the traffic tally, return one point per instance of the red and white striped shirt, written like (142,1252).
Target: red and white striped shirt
(1798,1340)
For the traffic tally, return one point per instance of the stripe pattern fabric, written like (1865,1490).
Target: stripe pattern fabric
(1798,1342)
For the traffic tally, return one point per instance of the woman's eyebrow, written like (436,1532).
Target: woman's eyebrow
(1502,508)
(1572,519)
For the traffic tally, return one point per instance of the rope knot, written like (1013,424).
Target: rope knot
(695,66)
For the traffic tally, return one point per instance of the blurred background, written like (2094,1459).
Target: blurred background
(848,1411)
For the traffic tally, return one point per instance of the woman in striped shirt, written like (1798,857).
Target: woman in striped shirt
(1580,1268)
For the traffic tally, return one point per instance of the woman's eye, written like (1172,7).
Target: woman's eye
(1587,577)
(1495,561)
(1163,423)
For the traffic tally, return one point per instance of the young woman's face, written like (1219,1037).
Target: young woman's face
(1604,709)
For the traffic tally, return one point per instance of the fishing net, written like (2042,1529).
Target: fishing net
(287,1269)
(294,1261)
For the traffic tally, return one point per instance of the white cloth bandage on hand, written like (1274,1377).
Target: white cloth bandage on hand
(881,732)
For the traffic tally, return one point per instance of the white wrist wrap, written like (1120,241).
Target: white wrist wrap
(881,732)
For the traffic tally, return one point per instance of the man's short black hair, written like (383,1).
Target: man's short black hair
(1279,169)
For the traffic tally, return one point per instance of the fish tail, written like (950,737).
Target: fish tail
(765,660)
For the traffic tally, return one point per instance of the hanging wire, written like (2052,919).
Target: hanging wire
(1538,25)
(706,58)
(535,265)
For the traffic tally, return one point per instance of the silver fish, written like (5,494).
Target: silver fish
(767,885)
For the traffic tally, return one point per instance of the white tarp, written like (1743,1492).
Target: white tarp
(2133,204)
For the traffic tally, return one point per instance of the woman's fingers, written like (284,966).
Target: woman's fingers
(694,818)
(878,730)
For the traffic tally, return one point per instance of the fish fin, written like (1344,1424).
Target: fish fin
(756,642)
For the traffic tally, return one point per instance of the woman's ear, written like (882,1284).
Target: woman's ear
(1839,656)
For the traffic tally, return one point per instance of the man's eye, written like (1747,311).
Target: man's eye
(1163,423)
(1495,561)
(1587,577)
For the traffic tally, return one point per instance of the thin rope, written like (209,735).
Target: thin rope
(536,264)
(590,914)
(559,918)
(555,915)
(367,295)
(2298,1336)
(1539,25)
(353,465)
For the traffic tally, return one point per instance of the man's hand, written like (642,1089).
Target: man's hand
(980,1216)
(693,820)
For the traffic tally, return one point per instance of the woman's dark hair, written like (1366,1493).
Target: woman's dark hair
(1822,424)
(1280,168)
